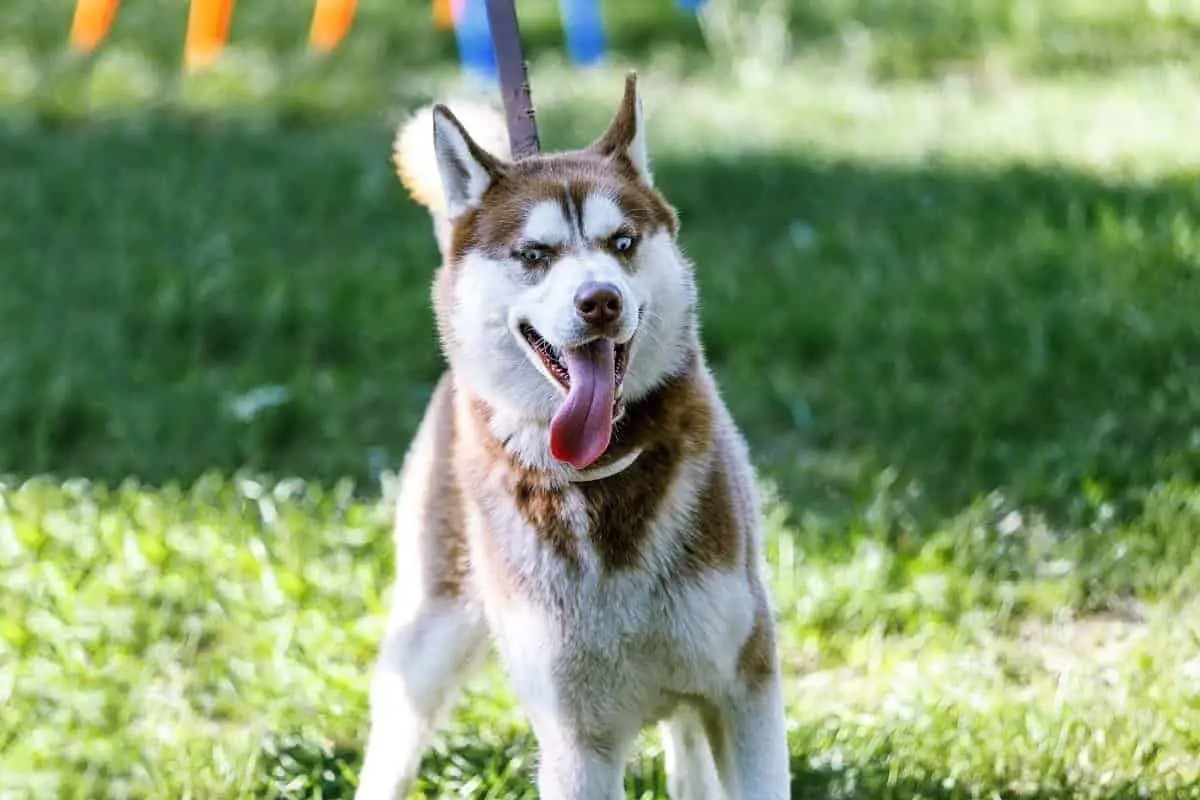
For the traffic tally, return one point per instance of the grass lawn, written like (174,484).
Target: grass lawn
(949,258)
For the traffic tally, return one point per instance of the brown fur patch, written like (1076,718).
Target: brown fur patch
(672,424)
(441,521)
(538,503)
(756,659)
(717,541)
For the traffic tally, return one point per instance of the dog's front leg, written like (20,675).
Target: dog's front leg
(572,771)
(428,651)
(748,727)
(758,738)
(689,757)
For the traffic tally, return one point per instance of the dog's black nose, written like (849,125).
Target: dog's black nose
(598,304)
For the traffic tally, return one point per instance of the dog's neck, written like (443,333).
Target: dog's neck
(665,441)
(673,415)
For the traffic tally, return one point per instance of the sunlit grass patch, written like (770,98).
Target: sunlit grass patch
(216,641)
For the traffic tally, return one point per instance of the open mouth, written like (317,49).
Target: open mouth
(590,376)
(556,367)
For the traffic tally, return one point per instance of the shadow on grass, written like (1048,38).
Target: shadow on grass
(1023,330)
(179,299)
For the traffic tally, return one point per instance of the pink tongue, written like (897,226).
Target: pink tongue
(580,431)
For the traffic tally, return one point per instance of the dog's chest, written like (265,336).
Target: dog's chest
(623,653)
(674,636)
(609,647)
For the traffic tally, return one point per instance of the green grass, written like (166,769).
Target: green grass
(950,269)
(213,642)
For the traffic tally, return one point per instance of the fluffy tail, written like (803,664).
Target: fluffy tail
(416,163)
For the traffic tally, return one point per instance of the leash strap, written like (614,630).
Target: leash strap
(514,80)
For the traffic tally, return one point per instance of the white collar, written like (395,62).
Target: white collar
(606,471)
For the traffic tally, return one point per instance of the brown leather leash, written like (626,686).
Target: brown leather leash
(514,79)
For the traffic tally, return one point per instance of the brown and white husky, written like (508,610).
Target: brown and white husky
(577,493)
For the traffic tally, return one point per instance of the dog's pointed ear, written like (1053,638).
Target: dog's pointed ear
(626,135)
(467,169)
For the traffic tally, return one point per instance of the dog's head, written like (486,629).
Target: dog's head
(564,295)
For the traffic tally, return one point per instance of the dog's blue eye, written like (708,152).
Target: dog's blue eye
(532,256)
(623,243)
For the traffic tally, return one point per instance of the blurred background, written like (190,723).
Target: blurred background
(949,257)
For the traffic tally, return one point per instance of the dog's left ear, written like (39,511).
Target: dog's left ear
(626,135)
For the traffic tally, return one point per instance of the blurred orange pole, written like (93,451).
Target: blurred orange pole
(330,23)
(92,21)
(443,14)
(207,31)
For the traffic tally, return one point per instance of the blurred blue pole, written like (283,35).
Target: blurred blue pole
(475,41)
(690,5)
(583,25)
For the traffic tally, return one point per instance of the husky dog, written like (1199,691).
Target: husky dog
(577,493)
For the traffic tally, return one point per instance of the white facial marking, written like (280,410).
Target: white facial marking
(545,224)
(492,357)
(550,306)
(664,285)
(601,217)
